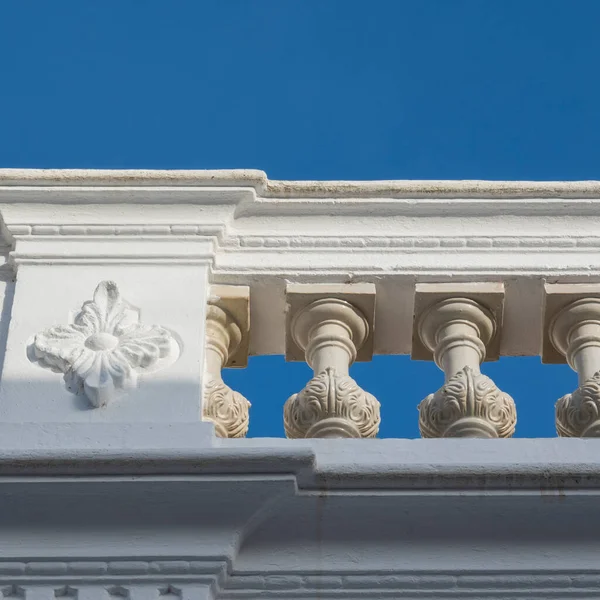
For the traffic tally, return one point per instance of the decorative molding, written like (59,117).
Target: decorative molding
(105,348)
(415,584)
(93,567)
(122,230)
(416,243)
(457,331)
(167,578)
(329,331)
(250,241)
(511,228)
(227,330)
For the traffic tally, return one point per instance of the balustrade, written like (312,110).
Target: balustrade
(458,326)
(458,273)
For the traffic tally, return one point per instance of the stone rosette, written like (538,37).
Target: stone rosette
(106,347)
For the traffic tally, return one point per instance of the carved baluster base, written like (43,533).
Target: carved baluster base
(578,413)
(226,408)
(331,406)
(468,405)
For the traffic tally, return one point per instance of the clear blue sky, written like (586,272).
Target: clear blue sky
(314,89)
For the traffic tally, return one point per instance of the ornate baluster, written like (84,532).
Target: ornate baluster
(227,328)
(328,329)
(457,331)
(573,331)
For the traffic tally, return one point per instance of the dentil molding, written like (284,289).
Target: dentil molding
(105,349)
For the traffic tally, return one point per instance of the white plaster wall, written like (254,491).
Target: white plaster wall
(172,296)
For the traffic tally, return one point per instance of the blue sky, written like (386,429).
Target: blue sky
(315,89)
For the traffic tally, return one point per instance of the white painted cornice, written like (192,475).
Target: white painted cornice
(262,233)
(414,197)
(242,209)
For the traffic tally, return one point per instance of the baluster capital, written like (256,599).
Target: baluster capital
(469,404)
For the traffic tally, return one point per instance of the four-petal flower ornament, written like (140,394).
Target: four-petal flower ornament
(105,348)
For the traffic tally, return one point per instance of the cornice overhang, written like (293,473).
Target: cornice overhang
(253,231)
(242,212)
(345,466)
(65,185)
(238,514)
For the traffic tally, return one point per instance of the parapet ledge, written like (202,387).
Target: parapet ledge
(302,189)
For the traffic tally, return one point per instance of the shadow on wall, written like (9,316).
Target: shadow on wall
(400,384)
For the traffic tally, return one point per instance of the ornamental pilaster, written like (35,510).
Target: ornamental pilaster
(330,327)
(457,325)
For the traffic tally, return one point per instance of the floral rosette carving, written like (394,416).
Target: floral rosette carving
(226,408)
(468,405)
(105,348)
(331,405)
(578,413)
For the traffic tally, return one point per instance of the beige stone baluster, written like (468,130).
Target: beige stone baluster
(329,327)
(227,330)
(572,328)
(453,325)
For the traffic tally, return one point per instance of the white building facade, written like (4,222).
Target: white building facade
(124,467)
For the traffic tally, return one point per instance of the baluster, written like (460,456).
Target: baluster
(330,327)
(227,329)
(457,331)
(573,331)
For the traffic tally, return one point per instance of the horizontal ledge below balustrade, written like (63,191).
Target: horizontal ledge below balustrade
(402,465)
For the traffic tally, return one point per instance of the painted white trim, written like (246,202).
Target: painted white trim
(262,233)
